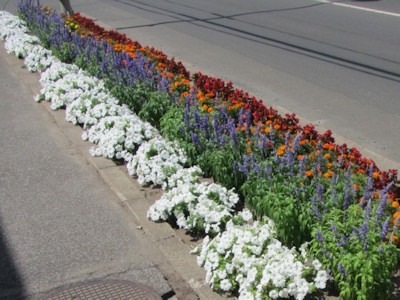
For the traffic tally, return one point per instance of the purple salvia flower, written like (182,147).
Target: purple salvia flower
(387,188)
(223,114)
(205,126)
(303,165)
(347,174)
(268,171)
(342,242)
(286,139)
(245,166)
(334,229)
(346,195)
(382,205)
(315,208)
(235,167)
(195,139)
(385,228)
(163,85)
(232,132)
(296,141)
(319,236)
(217,129)
(272,134)
(342,270)
(182,130)
(197,118)
(290,161)
(368,190)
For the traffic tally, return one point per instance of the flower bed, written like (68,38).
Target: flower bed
(312,189)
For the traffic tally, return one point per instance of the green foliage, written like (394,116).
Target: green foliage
(155,107)
(349,244)
(133,96)
(171,123)
(219,163)
(63,53)
(279,200)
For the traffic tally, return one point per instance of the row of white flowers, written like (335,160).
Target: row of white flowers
(200,207)
(249,257)
(244,254)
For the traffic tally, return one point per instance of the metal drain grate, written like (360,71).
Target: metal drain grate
(105,290)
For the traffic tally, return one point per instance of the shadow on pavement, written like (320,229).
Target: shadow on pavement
(11,284)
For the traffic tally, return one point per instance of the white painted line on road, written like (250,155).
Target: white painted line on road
(377,11)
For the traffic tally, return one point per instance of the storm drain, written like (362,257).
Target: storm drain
(105,289)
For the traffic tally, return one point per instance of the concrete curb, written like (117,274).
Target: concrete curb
(177,265)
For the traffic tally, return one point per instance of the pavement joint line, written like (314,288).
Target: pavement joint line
(164,238)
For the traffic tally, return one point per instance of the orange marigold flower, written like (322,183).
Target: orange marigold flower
(326,146)
(327,156)
(395,204)
(356,186)
(361,171)
(210,109)
(205,106)
(328,174)
(277,126)
(396,215)
(299,157)
(283,147)
(280,152)
(376,195)
(376,175)
(248,142)
(329,165)
(185,81)
(309,173)
(249,150)
(210,95)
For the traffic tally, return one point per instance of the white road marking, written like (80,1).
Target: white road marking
(377,11)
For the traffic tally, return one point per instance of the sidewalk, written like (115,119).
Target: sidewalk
(67,217)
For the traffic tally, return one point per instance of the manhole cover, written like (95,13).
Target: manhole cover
(104,289)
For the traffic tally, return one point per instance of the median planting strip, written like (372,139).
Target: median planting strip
(301,190)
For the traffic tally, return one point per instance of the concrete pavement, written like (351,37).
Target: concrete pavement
(66,217)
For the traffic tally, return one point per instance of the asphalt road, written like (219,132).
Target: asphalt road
(335,64)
